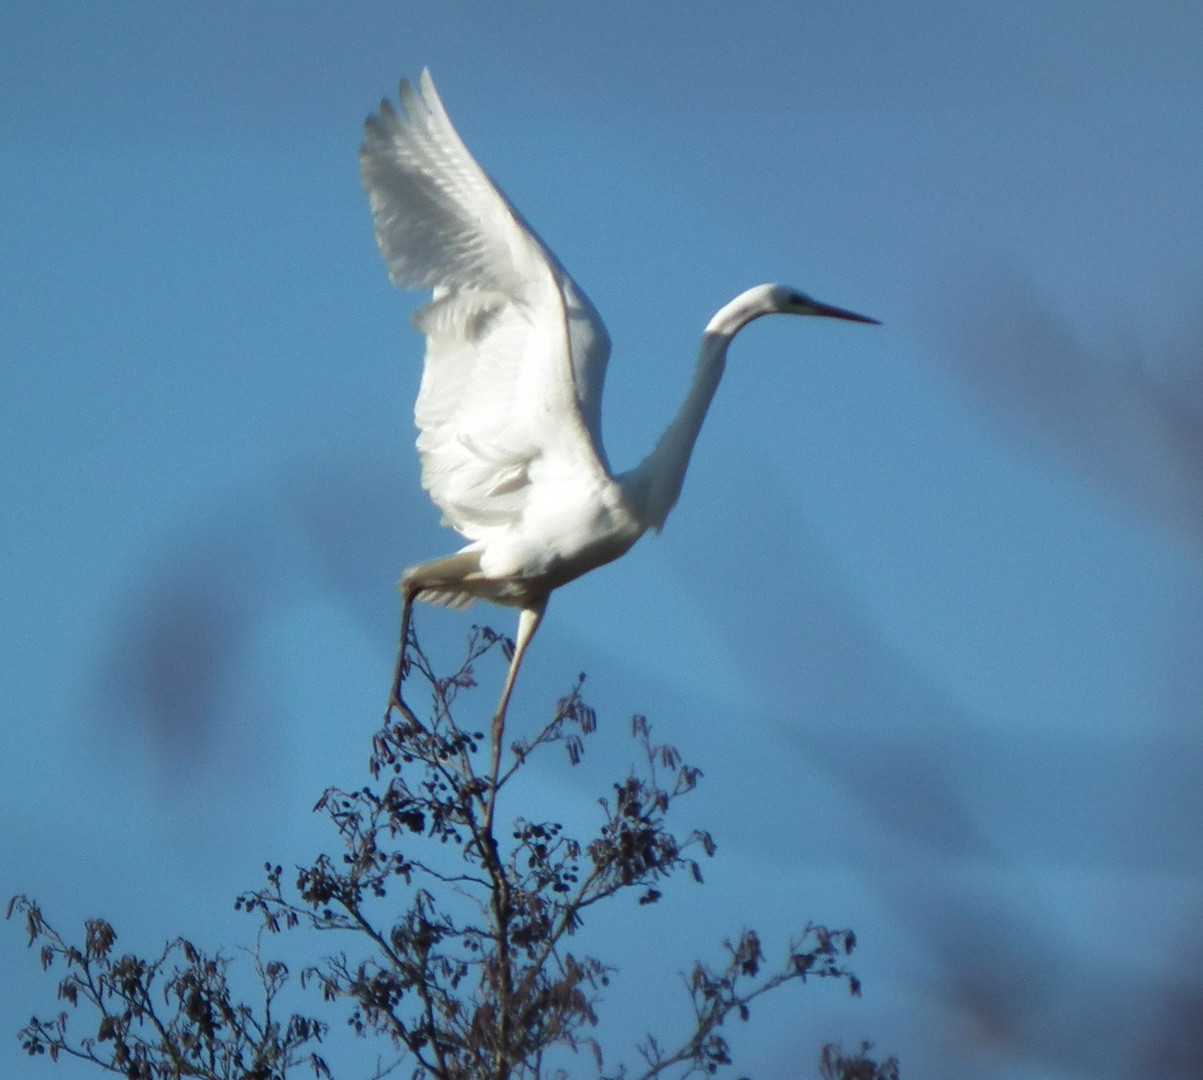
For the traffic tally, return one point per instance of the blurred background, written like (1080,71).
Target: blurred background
(929,615)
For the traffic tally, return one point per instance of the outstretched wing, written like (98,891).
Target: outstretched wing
(515,353)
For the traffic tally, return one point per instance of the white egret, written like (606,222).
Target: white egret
(509,409)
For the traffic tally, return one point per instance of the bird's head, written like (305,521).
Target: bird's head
(787,301)
(773,300)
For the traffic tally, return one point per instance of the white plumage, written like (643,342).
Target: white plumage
(509,409)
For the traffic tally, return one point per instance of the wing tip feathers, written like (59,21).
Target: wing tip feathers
(419,107)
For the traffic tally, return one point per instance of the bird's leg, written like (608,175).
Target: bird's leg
(528,623)
(408,593)
(437,574)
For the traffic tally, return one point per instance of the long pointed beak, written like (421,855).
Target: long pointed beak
(839,313)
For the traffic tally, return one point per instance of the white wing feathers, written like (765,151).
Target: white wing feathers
(515,353)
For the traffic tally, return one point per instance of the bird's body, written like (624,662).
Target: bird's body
(509,409)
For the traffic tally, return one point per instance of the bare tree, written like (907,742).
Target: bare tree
(476,979)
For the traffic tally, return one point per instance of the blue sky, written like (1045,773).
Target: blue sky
(927,615)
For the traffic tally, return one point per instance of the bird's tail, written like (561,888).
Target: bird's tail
(447,598)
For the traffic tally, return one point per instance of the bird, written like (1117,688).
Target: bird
(509,405)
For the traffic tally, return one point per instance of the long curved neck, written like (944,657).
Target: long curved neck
(655,484)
